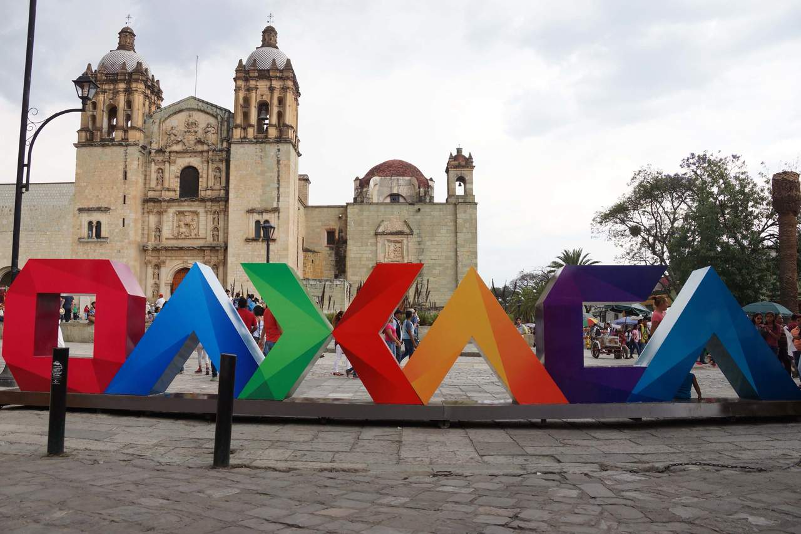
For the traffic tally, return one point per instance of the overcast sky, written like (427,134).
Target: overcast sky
(559,102)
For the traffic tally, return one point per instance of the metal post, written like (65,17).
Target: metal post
(225,411)
(23,128)
(268,249)
(58,401)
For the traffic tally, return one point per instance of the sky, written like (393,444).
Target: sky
(559,102)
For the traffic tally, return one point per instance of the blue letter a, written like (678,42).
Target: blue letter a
(706,315)
(200,311)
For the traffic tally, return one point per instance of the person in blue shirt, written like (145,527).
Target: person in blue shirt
(684,390)
(407,335)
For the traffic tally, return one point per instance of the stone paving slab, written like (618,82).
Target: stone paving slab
(129,473)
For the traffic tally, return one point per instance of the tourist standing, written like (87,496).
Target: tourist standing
(521,328)
(67,307)
(785,345)
(772,332)
(391,338)
(660,307)
(635,341)
(202,357)
(796,333)
(91,314)
(339,354)
(416,323)
(409,341)
(398,321)
(247,316)
(270,333)
(160,301)
(258,311)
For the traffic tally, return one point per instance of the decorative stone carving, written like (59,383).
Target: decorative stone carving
(159,177)
(394,251)
(186,224)
(215,234)
(217,177)
(394,227)
(215,218)
(155,293)
(156,272)
(191,134)
(157,234)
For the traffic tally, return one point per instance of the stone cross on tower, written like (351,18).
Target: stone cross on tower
(787,201)
(128,20)
(270,18)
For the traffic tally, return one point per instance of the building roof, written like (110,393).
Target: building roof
(56,194)
(263,57)
(112,61)
(397,168)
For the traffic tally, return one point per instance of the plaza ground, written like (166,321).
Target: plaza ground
(131,473)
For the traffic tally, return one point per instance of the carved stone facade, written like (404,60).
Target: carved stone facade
(193,181)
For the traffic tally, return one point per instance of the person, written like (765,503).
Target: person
(247,316)
(160,301)
(397,321)
(771,332)
(251,302)
(86,313)
(660,307)
(391,338)
(684,389)
(3,290)
(521,328)
(796,333)
(338,348)
(635,341)
(785,344)
(258,311)
(67,306)
(416,323)
(91,315)
(409,341)
(75,310)
(2,312)
(202,358)
(270,333)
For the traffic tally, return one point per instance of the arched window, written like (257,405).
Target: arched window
(127,104)
(280,101)
(94,106)
(98,233)
(461,186)
(90,230)
(257,230)
(111,121)
(395,198)
(262,117)
(280,118)
(127,120)
(189,186)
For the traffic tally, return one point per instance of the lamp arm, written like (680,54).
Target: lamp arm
(27,165)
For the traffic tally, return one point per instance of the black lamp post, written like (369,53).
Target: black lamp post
(86,88)
(267,233)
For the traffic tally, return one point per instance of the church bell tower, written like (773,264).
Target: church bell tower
(111,157)
(264,159)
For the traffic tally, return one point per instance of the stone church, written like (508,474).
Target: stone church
(161,187)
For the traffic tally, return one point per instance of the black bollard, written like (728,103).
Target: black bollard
(225,411)
(58,401)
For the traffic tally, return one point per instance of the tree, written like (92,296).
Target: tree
(519,298)
(576,256)
(712,212)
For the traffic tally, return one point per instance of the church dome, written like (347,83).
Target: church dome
(112,61)
(262,58)
(125,53)
(395,168)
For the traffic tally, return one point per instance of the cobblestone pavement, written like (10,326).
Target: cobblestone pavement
(126,473)
(129,473)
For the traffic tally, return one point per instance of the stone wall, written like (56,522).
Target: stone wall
(338,293)
(442,236)
(46,222)
(319,219)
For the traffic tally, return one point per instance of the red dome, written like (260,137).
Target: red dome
(395,167)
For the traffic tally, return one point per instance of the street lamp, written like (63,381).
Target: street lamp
(267,232)
(86,88)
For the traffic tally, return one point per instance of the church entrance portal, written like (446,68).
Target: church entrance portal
(177,278)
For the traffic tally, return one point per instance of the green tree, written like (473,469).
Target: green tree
(577,256)
(712,212)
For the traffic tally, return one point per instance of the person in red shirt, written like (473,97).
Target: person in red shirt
(660,307)
(270,333)
(247,316)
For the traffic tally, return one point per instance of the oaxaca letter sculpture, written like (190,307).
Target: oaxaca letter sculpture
(704,315)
